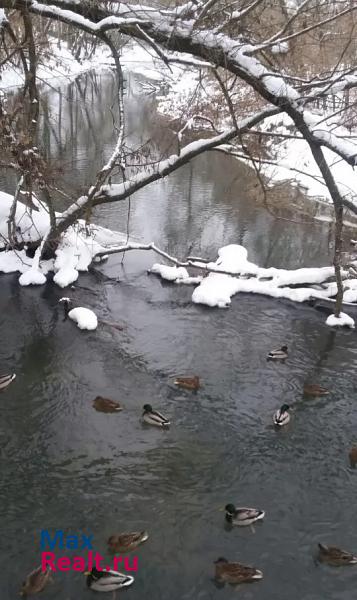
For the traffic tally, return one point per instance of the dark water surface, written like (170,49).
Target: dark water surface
(65,466)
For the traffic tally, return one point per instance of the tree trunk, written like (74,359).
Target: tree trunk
(337,257)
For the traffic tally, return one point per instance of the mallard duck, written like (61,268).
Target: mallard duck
(314,389)
(153,417)
(36,581)
(353,456)
(125,542)
(281,417)
(281,354)
(107,581)
(335,556)
(188,383)
(5,380)
(243,516)
(235,572)
(106,405)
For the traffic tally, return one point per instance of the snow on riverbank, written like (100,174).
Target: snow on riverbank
(59,62)
(81,243)
(217,289)
(189,89)
(74,254)
(294,159)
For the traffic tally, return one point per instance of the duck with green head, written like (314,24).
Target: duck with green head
(153,417)
(107,581)
(280,354)
(243,516)
(282,417)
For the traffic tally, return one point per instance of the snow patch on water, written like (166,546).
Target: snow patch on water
(342,321)
(170,273)
(217,288)
(84,318)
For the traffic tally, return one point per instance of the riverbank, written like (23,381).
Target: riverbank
(58,62)
(281,155)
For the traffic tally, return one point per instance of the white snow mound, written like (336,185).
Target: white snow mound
(32,277)
(342,321)
(170,273)
(78,245)
(217,289)
(84,317)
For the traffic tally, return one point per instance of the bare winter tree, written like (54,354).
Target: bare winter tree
(280,55)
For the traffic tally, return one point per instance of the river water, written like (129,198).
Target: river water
(66,466)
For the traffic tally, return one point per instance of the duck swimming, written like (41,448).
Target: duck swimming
(5,380)
(281,417)
(36,581)
(106,405)
(125,542)
(281,354)
(314,389)
(188,383)
(353,456)
(152,417)
(335,556)
(243,516)
(107,581)
(235,572)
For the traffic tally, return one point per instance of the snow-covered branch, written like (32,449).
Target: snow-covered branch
(203,44)
(193,34)
(121,191)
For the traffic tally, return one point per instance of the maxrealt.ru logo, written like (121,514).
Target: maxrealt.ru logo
(84,544)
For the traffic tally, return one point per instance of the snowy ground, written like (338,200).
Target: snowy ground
(75,253)
(60,63)
(294,159)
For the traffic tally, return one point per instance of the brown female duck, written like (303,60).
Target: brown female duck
(106,405)
(36,581)
(314,389)
(125,542)
(335,556)
(353,456)
(188,383)
(235,572)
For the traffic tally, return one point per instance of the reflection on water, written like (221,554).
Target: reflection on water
(66,466)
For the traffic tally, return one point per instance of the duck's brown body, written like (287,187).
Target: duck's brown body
(335,556)
(314,389)
(188,383)
(125,542)
(353,456)
(35,582)
(106,405)
(235,572)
